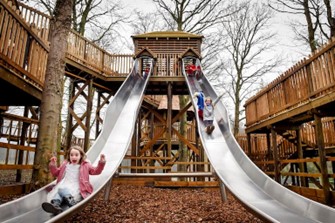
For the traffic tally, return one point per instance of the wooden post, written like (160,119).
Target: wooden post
(268,144)
(152,133)
(88,115)
(24,129)
(333,169)
(323,160)
(69,122)
(275,155)
(249,144)
(293,178)
(300,156)
(136,145)
(97,114)
(169,118)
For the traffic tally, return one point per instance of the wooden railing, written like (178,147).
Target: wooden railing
(19,46)
(167,65)
(308,79)
(307,132)
(84,52)
(18,139)
(79,48)
(290,172)
(24,37)
(39,22)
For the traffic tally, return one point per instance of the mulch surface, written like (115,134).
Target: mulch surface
(139,204)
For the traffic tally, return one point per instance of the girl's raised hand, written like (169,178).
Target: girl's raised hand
(53,160)
(102,158)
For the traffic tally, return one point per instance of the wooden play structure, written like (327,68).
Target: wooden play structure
(290,123)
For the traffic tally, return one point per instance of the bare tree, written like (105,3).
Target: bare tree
(51,103)
(146,22)
(245,39)
(193,15)
(318,24)
(98,20)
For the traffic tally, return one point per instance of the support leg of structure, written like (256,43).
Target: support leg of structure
(275,155)
(249,144)
(89,102)
(302,169)
(223,192)
(108,188)
(323,160)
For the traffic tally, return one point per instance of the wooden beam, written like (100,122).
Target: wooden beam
(186,184)
(171,174)
(187,142)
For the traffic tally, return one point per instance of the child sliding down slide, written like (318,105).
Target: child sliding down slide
(73,183)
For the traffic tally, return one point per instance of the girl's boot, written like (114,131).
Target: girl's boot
(53,207)
(69,200)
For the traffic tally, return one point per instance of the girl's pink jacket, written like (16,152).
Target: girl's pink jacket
(86,169)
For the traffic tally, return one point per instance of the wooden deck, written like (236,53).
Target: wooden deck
(290,125)
(293,98)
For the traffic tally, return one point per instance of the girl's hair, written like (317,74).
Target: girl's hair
(81,151)
(208,99)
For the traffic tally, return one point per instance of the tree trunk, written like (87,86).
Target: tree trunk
(51,104)
(237,118)
(330,18)
(311,32)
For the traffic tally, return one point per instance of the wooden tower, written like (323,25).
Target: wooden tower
(159,141)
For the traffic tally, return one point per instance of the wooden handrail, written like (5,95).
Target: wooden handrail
(174,174)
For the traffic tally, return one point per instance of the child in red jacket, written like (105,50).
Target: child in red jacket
(73,183)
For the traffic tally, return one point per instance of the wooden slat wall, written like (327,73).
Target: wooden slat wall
(167,46)
(167,65)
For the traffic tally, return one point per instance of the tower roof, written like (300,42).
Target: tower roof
(167,34)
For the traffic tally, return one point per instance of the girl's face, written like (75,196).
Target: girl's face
(75,156)
(208,102)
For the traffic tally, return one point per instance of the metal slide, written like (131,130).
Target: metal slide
(113,141)
(259,193)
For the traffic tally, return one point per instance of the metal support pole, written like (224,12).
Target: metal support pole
(223,192)
(108,188)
